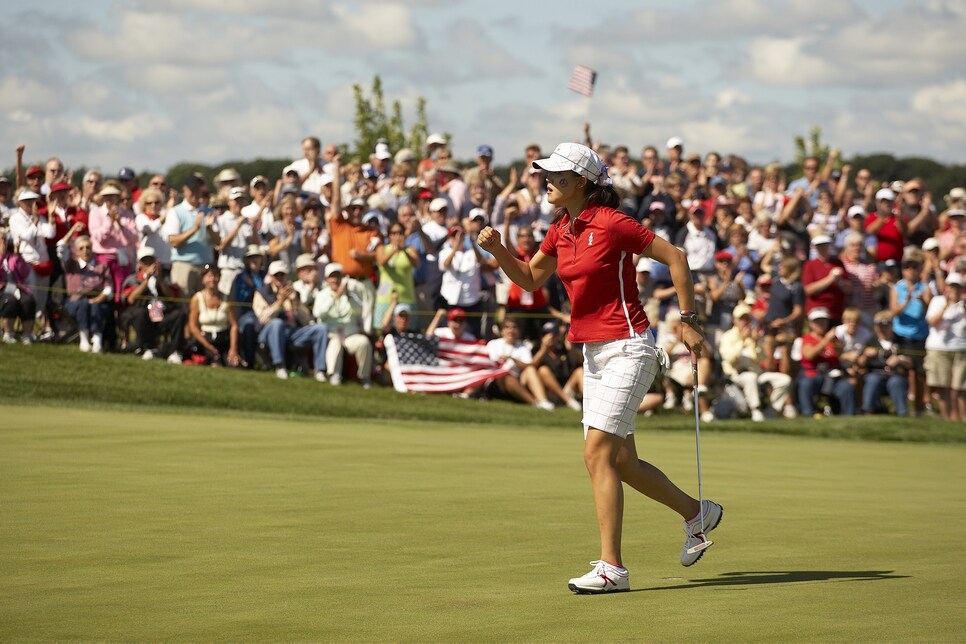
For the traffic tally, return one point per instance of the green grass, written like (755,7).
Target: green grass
(124,525)
(62,376)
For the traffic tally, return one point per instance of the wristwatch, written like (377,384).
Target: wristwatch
(689,317)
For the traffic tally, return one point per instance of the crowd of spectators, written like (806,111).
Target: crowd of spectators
(835,292)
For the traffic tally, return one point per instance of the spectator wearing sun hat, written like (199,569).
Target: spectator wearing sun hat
(451,183)
(226,180)
(114,234)
(825,280)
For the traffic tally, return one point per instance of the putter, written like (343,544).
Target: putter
(697,441)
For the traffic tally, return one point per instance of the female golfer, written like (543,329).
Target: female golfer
(590,244)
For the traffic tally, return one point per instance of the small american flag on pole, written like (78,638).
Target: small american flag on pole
(435,365)
(582,80)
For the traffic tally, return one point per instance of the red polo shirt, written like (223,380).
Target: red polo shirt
(596,265)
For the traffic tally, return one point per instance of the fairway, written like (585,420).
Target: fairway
(125,526)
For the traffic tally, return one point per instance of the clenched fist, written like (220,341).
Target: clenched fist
(488,239)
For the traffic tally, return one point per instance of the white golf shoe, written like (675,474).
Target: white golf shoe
(711,512)
(604,578)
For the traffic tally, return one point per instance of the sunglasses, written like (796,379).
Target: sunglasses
(152,203)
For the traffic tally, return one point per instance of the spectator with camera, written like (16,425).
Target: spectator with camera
(152,310)
(286,323)
(885,369)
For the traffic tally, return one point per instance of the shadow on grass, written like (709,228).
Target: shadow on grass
(790,577)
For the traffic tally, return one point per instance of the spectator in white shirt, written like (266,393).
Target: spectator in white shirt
(523,382)
(946,349)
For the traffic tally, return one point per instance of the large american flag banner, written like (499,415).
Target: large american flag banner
(582,80)
(430,364)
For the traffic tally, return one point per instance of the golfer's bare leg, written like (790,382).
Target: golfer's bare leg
(600,456)
(652,482)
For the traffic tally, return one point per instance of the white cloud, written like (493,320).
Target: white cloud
(784,61)
(176,80)
(18,93)
(731,97)
(945,102)
(132,129)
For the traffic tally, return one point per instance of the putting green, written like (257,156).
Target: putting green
(126,526)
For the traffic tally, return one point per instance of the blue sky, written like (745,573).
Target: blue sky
(150,84)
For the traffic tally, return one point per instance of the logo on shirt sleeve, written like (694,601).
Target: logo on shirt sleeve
(590,240)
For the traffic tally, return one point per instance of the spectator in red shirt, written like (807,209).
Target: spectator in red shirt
(820,367)
(529,308)
(825,280)
(889,230)
(591,245)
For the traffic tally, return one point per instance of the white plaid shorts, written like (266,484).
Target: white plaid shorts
(617,374)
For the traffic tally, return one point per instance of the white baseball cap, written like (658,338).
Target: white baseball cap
(819,313)
(856,211)
(333,267)
(930,244)
(438,204)
(477,213)
(382,151)
(278,266)
(675,141)
(576,158)
(821,239)
(885,193)
(954,279)
(435,139)
(27,195)
(145,251)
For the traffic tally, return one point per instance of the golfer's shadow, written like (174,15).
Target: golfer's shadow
(790,577)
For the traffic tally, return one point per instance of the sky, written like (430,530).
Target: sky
(104,84)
